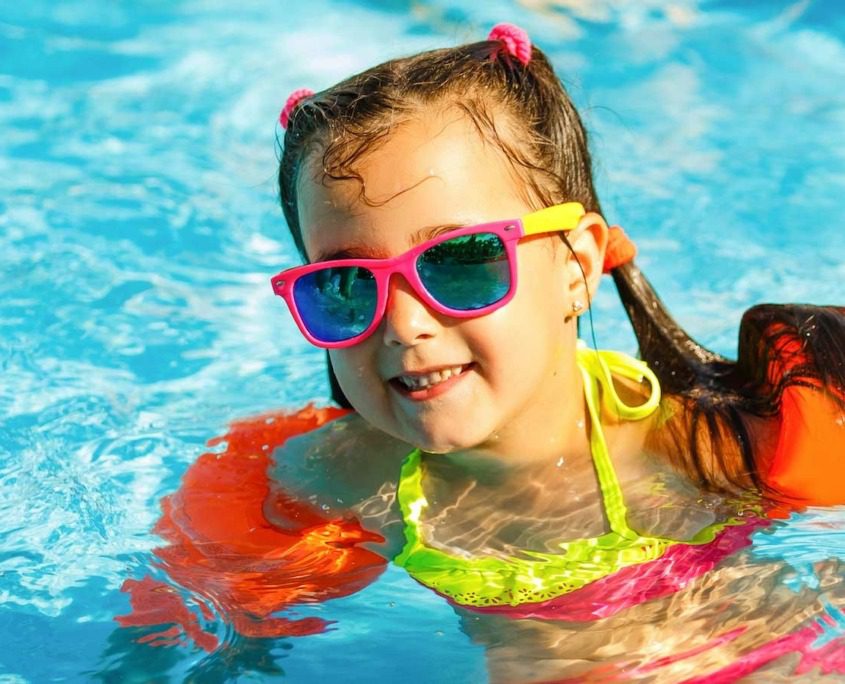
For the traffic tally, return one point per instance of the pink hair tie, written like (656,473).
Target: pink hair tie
(293,100)
(515,39)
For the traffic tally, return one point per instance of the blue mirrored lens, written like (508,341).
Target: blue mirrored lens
(336,304)
(467,272)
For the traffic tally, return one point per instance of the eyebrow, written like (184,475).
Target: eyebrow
(363,251)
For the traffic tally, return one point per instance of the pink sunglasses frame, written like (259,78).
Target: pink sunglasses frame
(558,218)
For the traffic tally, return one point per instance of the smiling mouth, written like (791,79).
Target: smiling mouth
(424,381)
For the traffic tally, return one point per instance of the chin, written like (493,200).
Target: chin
(443,444)
(435,448)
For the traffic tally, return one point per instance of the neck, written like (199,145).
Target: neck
(553,430)
(556,434)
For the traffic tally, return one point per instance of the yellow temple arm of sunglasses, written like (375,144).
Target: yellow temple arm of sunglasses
(551,219)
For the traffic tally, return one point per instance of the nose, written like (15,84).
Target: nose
(407,319)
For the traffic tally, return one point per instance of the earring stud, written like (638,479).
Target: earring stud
(577,306)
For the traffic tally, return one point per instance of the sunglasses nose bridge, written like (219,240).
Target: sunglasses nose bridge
(404,274)
(406,284)
(408,318)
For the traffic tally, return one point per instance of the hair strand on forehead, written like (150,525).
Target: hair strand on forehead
(523,110)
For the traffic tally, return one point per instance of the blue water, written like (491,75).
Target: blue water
(139,225)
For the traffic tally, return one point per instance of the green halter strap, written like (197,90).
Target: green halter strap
(537,576)
(597,369)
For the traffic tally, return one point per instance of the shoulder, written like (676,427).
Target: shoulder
(345,461)
(705,445)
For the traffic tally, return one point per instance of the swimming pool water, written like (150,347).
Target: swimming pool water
(139,225)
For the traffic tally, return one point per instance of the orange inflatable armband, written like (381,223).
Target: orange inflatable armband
(222,548)
(807,467)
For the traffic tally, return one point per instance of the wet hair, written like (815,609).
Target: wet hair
(526,113)
(715,392)
(521,109)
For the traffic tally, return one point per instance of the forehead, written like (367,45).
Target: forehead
(430,172)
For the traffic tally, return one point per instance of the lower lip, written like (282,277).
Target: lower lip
(430,392)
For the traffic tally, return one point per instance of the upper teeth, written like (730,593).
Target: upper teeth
(417,382)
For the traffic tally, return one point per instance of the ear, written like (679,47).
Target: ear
(584,264)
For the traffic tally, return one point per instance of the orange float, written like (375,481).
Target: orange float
(807,465)
(222,548)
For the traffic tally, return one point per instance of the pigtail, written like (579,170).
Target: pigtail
(808,343)
(702,380)
(716,391)
(678,360)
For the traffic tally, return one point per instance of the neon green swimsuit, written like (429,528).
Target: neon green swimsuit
(494,580)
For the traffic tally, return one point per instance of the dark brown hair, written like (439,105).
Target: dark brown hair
(506,101)
(525,111)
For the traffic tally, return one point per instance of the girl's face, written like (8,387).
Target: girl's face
(504,382)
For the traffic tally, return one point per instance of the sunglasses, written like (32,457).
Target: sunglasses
(465,273)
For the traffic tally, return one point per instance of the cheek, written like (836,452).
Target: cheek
(356,373)
(533,325)
(516,341)
(542,286)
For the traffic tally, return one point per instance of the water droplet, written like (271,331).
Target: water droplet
(325,507)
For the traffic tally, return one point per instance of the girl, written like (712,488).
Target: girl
(485,132)
(453,240)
